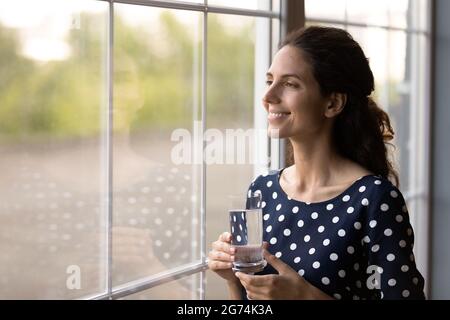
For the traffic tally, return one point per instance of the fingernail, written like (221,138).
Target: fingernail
(232,258)
(232,250)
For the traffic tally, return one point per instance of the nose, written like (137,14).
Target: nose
(271,95)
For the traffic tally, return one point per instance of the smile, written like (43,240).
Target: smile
(279,115)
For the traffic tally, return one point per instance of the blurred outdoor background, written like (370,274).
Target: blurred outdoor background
(74,171)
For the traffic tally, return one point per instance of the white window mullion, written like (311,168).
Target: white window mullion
(262,61)
(203,170)
(109,145)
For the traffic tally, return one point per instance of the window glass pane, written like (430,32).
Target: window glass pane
(324,24)
(156,94)
(53,107)
(187,1)
(231,103)
(399,60)
(325,9)
(398,13)
(247,4)
(368,12)
(275,37)
(187,288)
(418,15)
(387,53)
(375,43)
(417,209)
(276,5)
(400,108)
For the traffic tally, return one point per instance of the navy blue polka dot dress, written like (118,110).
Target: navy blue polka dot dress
(357,245)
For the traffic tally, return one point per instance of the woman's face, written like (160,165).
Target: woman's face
(295,106)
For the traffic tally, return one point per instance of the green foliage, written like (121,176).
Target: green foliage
(230,72)
(60,98)
(68,98)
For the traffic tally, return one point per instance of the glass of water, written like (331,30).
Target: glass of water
(246,227)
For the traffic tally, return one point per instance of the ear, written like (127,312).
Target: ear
(336,104)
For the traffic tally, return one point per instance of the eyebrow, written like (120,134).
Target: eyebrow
(289,75)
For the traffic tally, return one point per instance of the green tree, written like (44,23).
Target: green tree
(68,98)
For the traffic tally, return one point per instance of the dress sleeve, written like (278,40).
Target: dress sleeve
(388,243)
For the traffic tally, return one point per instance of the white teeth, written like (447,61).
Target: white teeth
(277,115)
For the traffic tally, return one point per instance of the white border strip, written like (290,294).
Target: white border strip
(200,7)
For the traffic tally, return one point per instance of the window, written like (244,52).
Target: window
(95,97)
(53,97)
(395,36)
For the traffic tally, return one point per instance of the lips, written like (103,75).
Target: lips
(275,115)
(277,111)
(279,114)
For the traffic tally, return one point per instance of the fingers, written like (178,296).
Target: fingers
(222,254)
(256,281)
(219,260)
(224,247)
(257,287)
(278,265)
(256,295)
(223,244)
(219,265)
(225,237)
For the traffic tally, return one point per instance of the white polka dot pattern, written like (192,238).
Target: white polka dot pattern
(366,225)
(63,220)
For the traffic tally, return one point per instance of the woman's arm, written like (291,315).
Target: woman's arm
(234,290)
(389,247)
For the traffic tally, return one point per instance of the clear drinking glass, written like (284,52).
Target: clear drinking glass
(246,227)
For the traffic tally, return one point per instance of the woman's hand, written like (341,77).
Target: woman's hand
(287,285)
(221,258)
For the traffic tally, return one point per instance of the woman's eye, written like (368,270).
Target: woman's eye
(268,82)
(290,85)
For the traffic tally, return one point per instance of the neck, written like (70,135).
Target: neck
(316,163)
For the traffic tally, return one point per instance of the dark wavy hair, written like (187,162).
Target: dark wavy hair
(362,130)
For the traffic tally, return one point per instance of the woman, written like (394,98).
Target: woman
(335,226)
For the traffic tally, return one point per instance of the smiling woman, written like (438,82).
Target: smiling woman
(338,78)
(335,225)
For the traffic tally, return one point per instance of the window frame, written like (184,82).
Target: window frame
(199,267)
(419,171)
